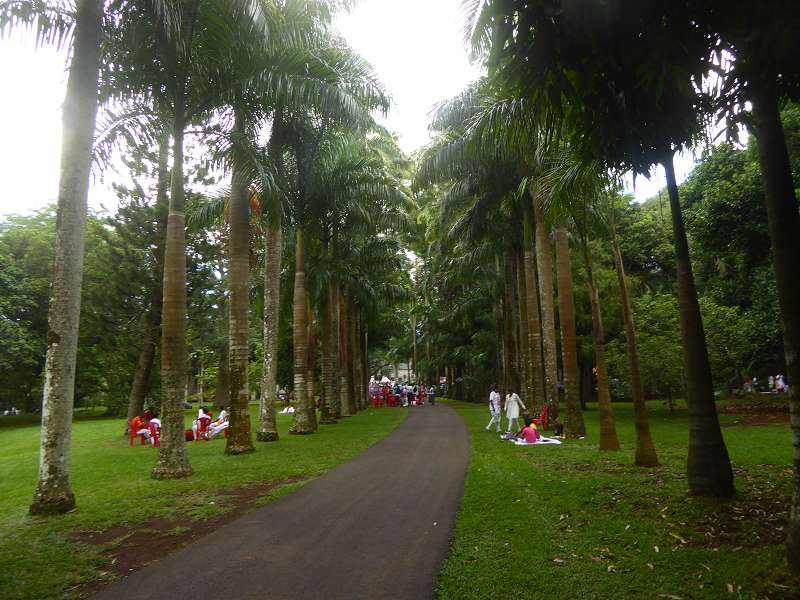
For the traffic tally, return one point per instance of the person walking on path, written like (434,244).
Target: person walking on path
(432,395)
(495,409)
(513,404)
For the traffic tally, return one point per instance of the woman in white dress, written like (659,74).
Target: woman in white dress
(513,404)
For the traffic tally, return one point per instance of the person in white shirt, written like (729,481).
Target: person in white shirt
(513,404)
(218,426)
(494,409)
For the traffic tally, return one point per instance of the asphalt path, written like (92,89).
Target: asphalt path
(377,527)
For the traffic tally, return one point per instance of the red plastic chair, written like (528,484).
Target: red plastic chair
(155,434)
(544,417)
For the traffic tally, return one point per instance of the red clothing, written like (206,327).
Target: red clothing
(530,434)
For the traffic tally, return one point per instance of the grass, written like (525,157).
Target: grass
(571,522)
(41,557)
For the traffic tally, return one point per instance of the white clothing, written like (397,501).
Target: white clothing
(496,420)
(513,404)
(494,402)
(215,430)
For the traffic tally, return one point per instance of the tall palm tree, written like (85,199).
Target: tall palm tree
(53,490)
(645,449)
(573,423)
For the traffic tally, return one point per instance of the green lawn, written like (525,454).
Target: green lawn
(571,522)
(40,558)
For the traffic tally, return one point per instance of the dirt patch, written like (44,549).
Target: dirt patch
(756,412)
(752,420)
(134,546)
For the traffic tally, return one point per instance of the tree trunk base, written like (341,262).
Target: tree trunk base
(327,421)
(239,449)
(167,473)
(609,445)
(61,503)
(298,431)
(267,436)
(646,457)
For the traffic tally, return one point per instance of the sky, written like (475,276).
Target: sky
(415,46)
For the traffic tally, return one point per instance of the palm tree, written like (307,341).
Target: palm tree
(573,423)
(645,449)
(53,490)
(544,269)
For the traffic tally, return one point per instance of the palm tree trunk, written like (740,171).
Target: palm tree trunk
(336,349)
(172,460)
(645,449)
(573,424)
(532,306)
(240,438)
(328,409)
(152,321)
(301,424)
(509,319)
(709,468)
(544,265)
(268,428)
(784,231)
(222,393)
(53,490)
(311,362)
(346,397)
(352,342)
(608,430)
(273,249)
(524,346)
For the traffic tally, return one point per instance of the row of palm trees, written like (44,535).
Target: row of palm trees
(580,90)
(231,73)
(504,204)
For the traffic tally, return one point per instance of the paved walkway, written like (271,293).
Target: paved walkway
(376,527)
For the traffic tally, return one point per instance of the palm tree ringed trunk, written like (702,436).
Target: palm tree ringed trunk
(544,262)
(268,427)
(53,490)
(346,398)
(172,460)
(301,424)
(240,438)
(328,408)
(645,449)
(573,423)
(784,231)
(708,466)
(311,363)
(152,321)
(608,430)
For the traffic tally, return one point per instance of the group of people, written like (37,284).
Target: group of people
(206,427)
(776,384)
(409,394)
(514,407)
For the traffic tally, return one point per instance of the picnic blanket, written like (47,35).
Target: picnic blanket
(541,441)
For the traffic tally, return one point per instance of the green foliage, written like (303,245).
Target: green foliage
(660,350)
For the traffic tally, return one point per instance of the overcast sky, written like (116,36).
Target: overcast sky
(416,47)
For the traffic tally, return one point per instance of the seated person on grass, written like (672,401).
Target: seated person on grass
(529,434)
